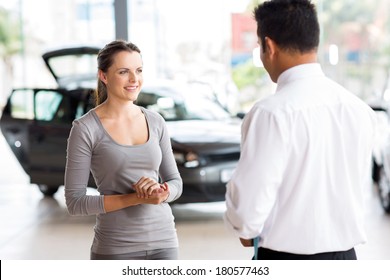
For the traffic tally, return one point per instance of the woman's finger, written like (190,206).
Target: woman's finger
(145,186)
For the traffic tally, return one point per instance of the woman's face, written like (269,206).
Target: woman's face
(124,77)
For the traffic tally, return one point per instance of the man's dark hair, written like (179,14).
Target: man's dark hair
(292,24)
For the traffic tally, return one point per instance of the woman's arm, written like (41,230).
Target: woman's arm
(77,172)
(168,169)
(117,202)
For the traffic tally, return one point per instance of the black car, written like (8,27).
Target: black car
(381,153)
(36,123)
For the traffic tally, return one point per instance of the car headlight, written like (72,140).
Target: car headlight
(189,160)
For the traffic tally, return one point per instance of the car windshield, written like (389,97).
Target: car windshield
(174,107)
(202,109)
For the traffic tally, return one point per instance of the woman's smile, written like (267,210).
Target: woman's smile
(131,88)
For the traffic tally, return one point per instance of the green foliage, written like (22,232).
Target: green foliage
(252,4)
(9,34)
(247,74)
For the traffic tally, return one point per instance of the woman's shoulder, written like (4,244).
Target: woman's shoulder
(87,119)
(87,127)
(152,116)
(88,123)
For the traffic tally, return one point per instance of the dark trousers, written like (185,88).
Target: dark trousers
(268,254)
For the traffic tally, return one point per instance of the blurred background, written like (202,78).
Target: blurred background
(209,43)
(204,40)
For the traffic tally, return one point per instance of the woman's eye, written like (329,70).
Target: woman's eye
(123,72)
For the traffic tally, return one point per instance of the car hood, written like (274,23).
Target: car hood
(205,136)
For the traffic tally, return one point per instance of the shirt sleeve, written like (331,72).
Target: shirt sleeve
(77,171)
(169,172)
(252,190)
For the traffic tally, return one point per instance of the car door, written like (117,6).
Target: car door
(16,118)
(36,125)
(53,116)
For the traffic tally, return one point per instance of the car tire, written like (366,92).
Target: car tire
(384,189)
(375,171)
(48,190)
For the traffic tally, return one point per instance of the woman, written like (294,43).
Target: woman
(128,151)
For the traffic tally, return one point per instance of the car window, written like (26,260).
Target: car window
(165,106)
(22,104)
(47,105)
(177,107)
(84,103)
(204,109)
(73,65)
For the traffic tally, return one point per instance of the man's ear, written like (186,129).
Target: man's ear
(270,46)
(102,76)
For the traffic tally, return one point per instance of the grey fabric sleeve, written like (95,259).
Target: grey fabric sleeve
(77,170)
(168,168)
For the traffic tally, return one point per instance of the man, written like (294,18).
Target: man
(305,152)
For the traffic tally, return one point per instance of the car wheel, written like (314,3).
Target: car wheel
(48,190)
(375,171)
(384,189)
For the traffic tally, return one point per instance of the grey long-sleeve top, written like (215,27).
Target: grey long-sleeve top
(116,168)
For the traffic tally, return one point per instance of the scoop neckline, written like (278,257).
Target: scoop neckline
(113,140)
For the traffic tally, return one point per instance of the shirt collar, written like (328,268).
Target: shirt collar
(299,72)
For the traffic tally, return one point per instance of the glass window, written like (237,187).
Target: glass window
(199,108)
(22,104)
(178,107)
(46,105)
(83,65)
(80,110)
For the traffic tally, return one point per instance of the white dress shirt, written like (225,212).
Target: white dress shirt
(305,158)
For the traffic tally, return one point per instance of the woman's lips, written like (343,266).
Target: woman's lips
(131,88)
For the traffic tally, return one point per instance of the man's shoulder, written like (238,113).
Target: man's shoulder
(271,103)
(268,107)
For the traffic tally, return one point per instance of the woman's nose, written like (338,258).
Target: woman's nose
(133,77)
